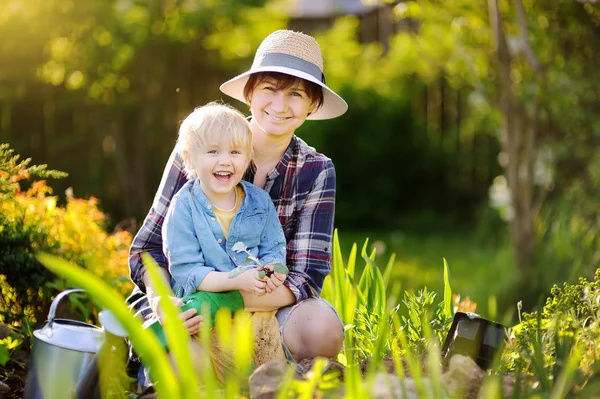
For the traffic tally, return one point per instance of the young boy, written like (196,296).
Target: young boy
(215,209)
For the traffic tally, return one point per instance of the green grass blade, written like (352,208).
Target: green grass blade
(565,378)
(315,377)
(352,262)
(537,361)
(145,343)
(377,293)
(448,311)
(389,268)
(434,359)
(210,382)
(366,277)
(339,277)
(177,336)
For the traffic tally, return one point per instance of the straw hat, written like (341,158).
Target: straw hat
(296,54)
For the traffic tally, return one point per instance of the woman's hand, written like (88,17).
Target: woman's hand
(274,281)
(249,281)
(191,321)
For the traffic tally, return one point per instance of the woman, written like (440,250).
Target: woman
(284,87)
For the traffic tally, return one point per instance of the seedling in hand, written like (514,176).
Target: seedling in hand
(263,271)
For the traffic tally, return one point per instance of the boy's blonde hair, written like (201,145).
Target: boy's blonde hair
(213,120)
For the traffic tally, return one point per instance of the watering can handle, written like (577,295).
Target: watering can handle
(56,300)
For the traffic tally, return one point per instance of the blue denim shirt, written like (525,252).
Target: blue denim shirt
(194,243)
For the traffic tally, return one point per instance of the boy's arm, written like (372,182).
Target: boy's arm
(149,237)
(181,246)
(217,282)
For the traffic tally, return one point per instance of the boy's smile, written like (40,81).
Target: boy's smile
(220,165)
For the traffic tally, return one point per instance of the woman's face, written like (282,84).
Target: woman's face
(279,112)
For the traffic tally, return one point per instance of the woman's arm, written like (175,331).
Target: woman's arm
(309,248)
(149,237)
(271,248)
(279,298)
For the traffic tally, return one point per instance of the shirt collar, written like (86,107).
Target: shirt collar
(200,196)
(281,166)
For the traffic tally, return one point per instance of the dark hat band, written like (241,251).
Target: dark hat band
(292,62)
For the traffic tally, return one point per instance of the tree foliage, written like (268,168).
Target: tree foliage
(525,63)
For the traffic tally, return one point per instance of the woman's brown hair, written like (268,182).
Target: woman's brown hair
(284,81)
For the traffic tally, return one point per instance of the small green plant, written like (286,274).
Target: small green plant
(557,347)
(263,270)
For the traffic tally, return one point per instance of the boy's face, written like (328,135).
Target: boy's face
(220,165)
(279,112)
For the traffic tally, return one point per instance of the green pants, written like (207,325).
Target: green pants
(231,300)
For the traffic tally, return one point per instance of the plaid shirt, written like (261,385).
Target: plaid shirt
(302,187)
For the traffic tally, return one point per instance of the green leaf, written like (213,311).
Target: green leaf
(4,356)
(239,247)
(280,268)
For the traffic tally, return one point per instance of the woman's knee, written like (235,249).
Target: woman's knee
(327,336)
(314,329)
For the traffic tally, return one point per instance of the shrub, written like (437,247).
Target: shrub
(30,221)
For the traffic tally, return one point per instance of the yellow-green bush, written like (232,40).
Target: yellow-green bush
(31,220)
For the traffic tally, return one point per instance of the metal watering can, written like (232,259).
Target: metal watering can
(62,350)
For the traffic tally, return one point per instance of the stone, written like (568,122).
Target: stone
(333,366)
(4,391)
(389,386)
(388,364)
(5,331)
(267,378)
(463,378)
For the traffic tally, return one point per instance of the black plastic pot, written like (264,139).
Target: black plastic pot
(473,336)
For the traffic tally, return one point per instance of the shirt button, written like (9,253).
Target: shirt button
(209,207)
(219,240)
(213,219)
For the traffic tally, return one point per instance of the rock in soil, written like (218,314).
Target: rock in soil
(388,365)
(5,331)
(389,386)
(4,391)
(463,378)
(333,366)
(266,379)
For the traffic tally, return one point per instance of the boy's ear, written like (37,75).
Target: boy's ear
(184,155)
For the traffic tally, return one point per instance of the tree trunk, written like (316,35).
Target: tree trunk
(518,143)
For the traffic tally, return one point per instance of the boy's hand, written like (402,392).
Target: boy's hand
(249,281)
(273,282)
